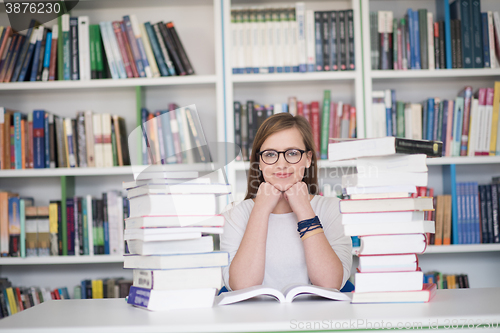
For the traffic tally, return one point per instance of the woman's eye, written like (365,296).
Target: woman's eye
(270,154)
(293,153)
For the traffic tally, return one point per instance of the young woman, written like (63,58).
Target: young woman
(283,232)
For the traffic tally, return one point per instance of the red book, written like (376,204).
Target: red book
(53,55)
(129,50)
(20,304)
(467,95)
(333,112)
(8,33)
(53,295)
(15,55)
(56,294)
(117,28)
(8,57)
(315,126)
(300,108)
(352,122)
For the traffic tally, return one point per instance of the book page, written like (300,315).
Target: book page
(292,291)
(247,293)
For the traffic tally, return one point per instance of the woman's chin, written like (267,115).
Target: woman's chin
(283,184)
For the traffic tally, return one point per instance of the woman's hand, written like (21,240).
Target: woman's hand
(298,199)
(267,197)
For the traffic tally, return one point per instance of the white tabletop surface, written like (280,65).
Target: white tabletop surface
(459,306)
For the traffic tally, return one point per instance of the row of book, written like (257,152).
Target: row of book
(17,299)
(169,236)
(90,226)
(467,125)
(447,281)
(332,120)
(73,50)
(102,288)
(464,34)
(41,139)
(291,39)
(391,224)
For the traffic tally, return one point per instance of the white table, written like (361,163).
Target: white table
(476,306)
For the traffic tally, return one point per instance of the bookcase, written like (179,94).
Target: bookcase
(205,29)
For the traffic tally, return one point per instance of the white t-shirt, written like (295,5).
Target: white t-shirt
(285,257)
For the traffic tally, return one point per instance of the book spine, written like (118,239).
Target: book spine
(443,56)
(315,125)
(53,53)
(84,48)
(113,67)
(67,51)
(128,49)
(301,35)
(491,36)
(105,223)
(163,48)
(117,29)
(162,66)
(25,51)
(351,56)
(180,49)
(467,95)
(170,45)
(486,40)
(332,23)
(149,51)
(489,213)
(270,38)
(476,33)
(140,45)
(115,49)
(70,226)
(134,46)
(38,139)
(318,41)
(310,41)
(430,41)
(237,129)
(46,58)
(416,39)
(325,35)
(495,213)
(342,40)
(46,133)
(325,122)
(437,46)
(422,22)
(81,140)
(71,148)
(484,215)
(39,35)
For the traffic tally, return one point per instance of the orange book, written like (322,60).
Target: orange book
(447,219)
(438,237)
(352,123)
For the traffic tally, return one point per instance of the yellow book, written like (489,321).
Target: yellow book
(53,216)
(438,237)
(97,291)
(12,300)
(494,119)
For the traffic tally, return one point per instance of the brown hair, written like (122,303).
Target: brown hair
(272,125)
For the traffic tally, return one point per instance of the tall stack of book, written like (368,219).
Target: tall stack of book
(379,208)
(172,215)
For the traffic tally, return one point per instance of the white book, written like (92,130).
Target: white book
(115,223)
(473,127)
(386,179)
(197,245)
(416,121)
(90,224)
(293,31)
(149,52)
(387,263)
(379,189)
(116,50)
(109,52)
(166,300)
(386,205)
(177,260)
(261,21)
(379,127)
(379,195)
(430,41)
(161,237)
(255,40)
(219,189)
(247,27)
(98,142)
(300,17)
(185,131)
(286,42)
(178,279)
(173,204)
(384,217)
(107,148)
(491,35)
(170,233)
(389,281)
(69,139)
(372,166)
(408,121)
(235,42)
(310,40)
(83,47)
(164,181)
(140,44)
(270,41)
(389,228)
(287,295)
(174,221)
(392,244)
(278,42)
(488,120)
(278,108)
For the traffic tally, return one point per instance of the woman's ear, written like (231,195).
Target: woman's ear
(309,158)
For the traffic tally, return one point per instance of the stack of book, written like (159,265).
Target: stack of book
(381,211)
(172,215)
(291,39)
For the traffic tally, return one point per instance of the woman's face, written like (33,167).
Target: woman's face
(283,174)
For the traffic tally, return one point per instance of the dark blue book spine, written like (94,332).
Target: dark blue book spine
(460,10)
(468,213)
(489,213)
(477,34)
(388,119)
(17,141)
(74,62)
(23,52)
(486,41)
(495,213)
(334,66)
(318,32)
(46,140)
(430,119)
(156,49)
(139,296)
(416,39)
(445,124)
(484,215)
(83,291)
(105,223)
(424,120)
(36,57)
(38,139)
(27,62)
(475,210)
(460,222)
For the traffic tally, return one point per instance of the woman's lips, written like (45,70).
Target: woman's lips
(282,175)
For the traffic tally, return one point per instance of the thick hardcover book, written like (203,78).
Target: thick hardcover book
(75,54)
(117,29)
(163,48)
(486,40)
(53,53)
(66,47)
(180,48)
(342,40)
(24,50)
(170,45)
(350,53)
(332,24)
(325,35)
(422,20)
(318,17)
(461,10)
(133,45)
(476,34)
(39,139)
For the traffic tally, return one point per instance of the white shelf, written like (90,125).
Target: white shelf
(58,260)
(463,248)
(242,166)
(425,73)
(114,171)
(294,77)
(110,83)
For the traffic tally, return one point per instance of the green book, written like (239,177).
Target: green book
(400,119)
(85,227)
(325,126)
(93,63)
(98,52)
(66,49)
(113,146)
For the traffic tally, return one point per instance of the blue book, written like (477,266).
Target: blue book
(494,209)
(437,110)
(411,36)
(388,118)
(36,56)
(416,39)
(318,41)
(17,140)
(430,119)
(24,52)
(39,139)
(424,120)
(29,56)
(457,126)
(475,206)
(284,107)
(46,140)
(134,47)
(355,241)
(445,124)
(461,10)
(83,289)
(450,187)
(477,34)
(460,211)
(469,213)
(486,41)
(443,14)
(105,223)
(160,60)
(46,57)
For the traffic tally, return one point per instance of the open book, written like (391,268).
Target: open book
(287,295)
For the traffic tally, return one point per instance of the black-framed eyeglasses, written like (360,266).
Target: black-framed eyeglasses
(292,156)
